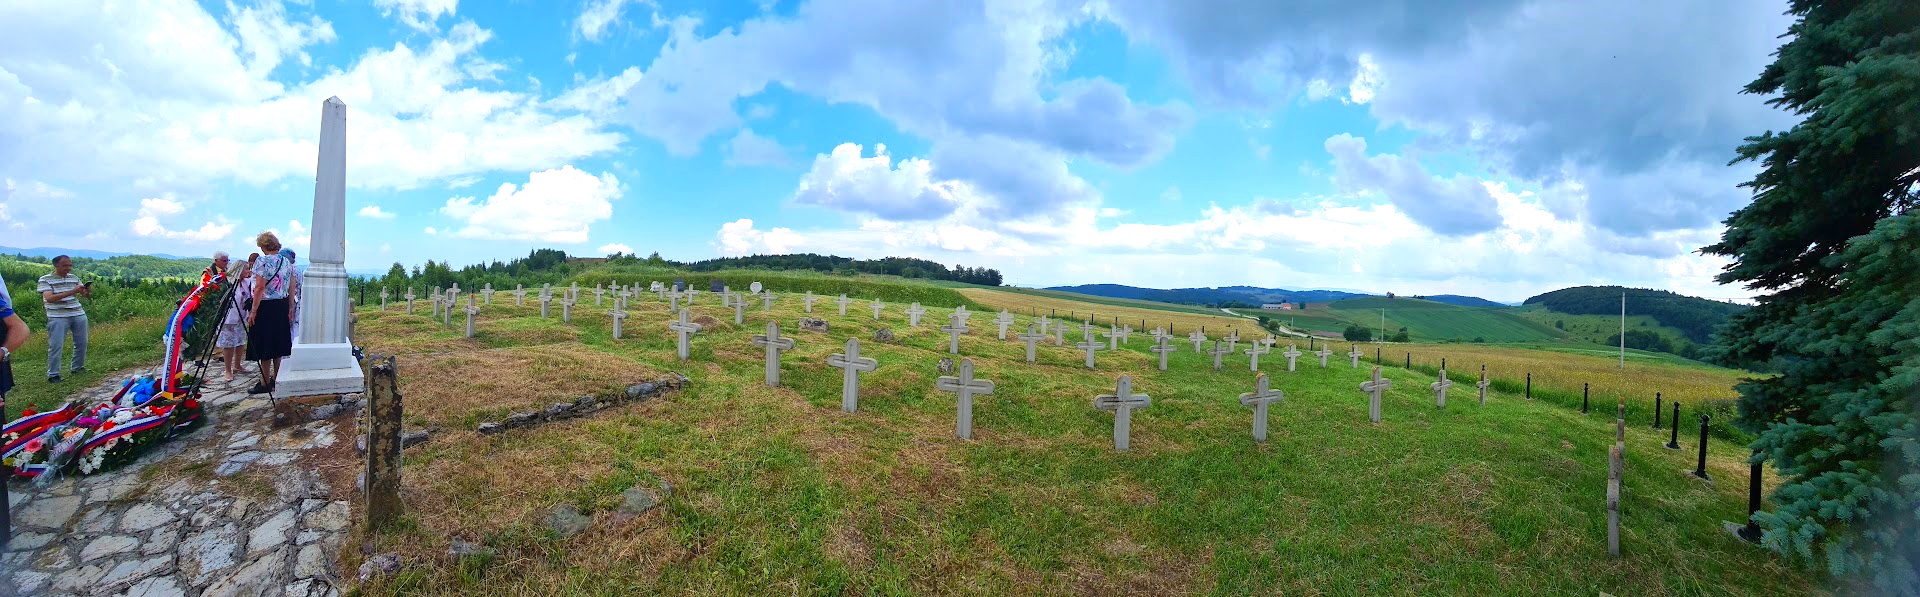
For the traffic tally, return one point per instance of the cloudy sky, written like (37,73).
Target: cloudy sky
(1489,147)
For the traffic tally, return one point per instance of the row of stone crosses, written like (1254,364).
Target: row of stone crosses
(1122,402)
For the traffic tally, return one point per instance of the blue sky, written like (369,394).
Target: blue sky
(1497,148)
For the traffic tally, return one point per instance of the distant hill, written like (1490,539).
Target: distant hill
(1223,296)
(1695,317)
(1464,301)
(50,252)
(1430,320)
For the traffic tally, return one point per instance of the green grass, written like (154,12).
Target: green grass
(1111,301)
(1598,329)
(1441,322)
(112,347)
(775,487)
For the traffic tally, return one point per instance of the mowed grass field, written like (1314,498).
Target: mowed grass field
(1179,322)
(775,490)
(1431,321)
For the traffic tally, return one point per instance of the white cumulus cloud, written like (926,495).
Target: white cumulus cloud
(374,211)
(554,206)
(146,222)
(613,248)
(739,237)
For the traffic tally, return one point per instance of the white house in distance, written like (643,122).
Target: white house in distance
(1277,306)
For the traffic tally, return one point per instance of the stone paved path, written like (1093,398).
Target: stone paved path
(234,508)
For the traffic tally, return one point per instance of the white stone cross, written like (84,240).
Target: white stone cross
(726,296)
(486,294)
(1269,341)
(1126,333)
(409,297)
(913,314)
(1323,353)
(1440,389)
(1217,352)
(519,296)
(766,300)
(1031,337)
(1483,385)
(1254,350)
(1059,335)
(962,312)
(573,291)
(1233,340)
(956,327)
(1375,386)
(739,310)
(1259,398)
(877,306)
(598,294)
(1161,346)
(1355,355)
(1122,402)
(471,311)
(809,301)
(673,301)
(683,331)
(843,301)
(453,294)
(446,315)
(774,344)
(619,315)
(1196,337)
(853,364)
(1293,353)
(1044,322)
(966,387)
(545,301)
(1003,320)
(434,297)
(1113,337)
(1088,343)
(383,298)
(566,311)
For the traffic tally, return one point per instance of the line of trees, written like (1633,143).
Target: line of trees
(905,267)
(1698,318)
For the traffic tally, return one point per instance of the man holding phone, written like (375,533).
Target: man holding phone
(60,291)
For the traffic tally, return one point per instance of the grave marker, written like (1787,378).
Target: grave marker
(619,315)
(954,329)
(1323,353)
(1122,402)
(1030,338)
(1254,350)
(471,311)
(566,311)
(546,301)
(1375,387)
(486,294)
(383,299)
(1217,352)
(599,293)
(1259,398)
(683,331)
(852,364)
(1293,353)
(809,301)
(739,310)
(766,300)
(1439,388)
(1044,322)
(409,298)
(913,314)
(965,387)
(1003,320)
(843,301)
(519,296)
(1161,346)
(877,305)
(1355,355)
(1089,344)
(1482,385)
(1196,337)
(774,344)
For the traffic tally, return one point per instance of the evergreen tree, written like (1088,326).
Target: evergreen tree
(1833,239)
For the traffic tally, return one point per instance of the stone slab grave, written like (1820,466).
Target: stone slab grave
(1293,355)
(683,331)
(1122,402)
(852,365)
(1002,321)
(1162,346)
(956,326)
(1088,343)
(1032,336)
(914,312)
(1439,388)
(135,533)
(964,387)
(774,344)
(585,405)
(1259,398)
(1373,388)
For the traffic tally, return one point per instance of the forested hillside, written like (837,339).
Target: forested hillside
(1695,317)
(905,267)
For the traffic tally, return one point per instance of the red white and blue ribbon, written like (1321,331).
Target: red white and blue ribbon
(177,327)
(43,422)
(123,430)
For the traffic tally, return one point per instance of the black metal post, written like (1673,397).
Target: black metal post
(1443,363)
(1529,385)
(1376,356)
(1700,470)
(1673,443)
(1656,411)
(1751,532)
(1409,360)
(1583,398)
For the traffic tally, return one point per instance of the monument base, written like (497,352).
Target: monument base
(316,369)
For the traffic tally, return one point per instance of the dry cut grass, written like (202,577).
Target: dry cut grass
(458,388)
(1177,322)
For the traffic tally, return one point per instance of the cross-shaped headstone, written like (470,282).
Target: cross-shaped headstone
(913,314)
(1269,341)
(1217,352)
(1089,344)
(1122,402)
(446,315)
(1259,398)
(673,302)
(1162,346)
(1374,387)
(1233,340)
(619,315)
(1031,337)
(471,311)
(409,297)
(739,310)
(1113,337)
(966,387)
(877,305)
(1059,335)
(774,344)
(599,292)
(1254,350)
(1482,385)
(453,294)
(545,304)
(519,296)
(683,331)
(1196,337)
(1126,333)
(1003,320)
(852,365)
(962,313)
(956,326)
(434,298)
(1293,353)
(1440,389)
(1323,353)
(809,301)
(726,296)
(566,311)
(1044,322)
(766,300)
(573,292)
(486,294)
(843,301)
(383,298)
(1355,355)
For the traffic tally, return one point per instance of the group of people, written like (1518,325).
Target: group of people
(258,325)
(263,318)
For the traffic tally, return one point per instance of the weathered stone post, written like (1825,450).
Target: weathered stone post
(383,442)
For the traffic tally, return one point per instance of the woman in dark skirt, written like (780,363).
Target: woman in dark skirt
(269,318)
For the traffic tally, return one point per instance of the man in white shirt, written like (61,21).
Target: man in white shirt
(60,291)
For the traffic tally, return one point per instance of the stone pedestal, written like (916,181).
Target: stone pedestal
(322,360)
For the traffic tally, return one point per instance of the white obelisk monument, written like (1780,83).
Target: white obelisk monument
(322,360)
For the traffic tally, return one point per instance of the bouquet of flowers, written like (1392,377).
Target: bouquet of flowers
(119,434)
(24,441)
